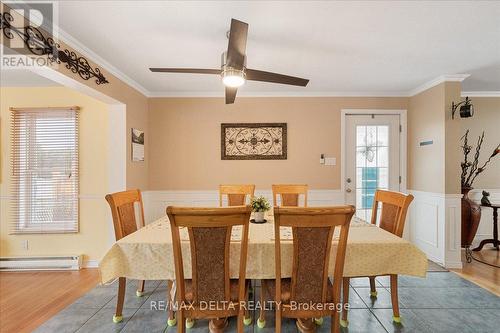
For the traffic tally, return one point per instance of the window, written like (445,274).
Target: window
(372,166)
(45,170)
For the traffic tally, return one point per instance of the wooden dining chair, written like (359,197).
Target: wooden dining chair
(122,206)
(392,219)
(289,194)
(236,194)
(209,231)
(312,232)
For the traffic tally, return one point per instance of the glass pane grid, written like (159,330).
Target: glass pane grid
(372,165)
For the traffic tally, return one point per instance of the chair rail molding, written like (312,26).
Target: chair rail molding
(156,202)
(435,226)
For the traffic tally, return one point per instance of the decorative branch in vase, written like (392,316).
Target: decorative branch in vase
(471,169)
(471,211)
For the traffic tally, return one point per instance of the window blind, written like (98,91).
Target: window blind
(44,170)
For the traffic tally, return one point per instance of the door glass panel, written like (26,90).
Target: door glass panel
(361,135)
(372,166)
(360,157)
(383,136)
(383,156)
(371,135)
(383,178)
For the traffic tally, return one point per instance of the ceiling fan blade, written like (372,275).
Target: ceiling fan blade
(256,75)
(236,48)
(186,70)
(230,94)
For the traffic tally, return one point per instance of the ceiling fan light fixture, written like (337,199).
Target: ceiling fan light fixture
(233,78)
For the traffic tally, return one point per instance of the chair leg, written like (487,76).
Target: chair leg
(122,283)
(140,288)
(241,319)
(261,322)
(171,321)
(345,300)
(247,318)
(335,318)
(373,289)
(277,328)
(394,299)
(335,322)
(189,322)
(181,328)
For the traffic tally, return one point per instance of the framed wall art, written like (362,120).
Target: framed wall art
(137,145)
(254,141)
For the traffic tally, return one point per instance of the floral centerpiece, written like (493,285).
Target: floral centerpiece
(260,205)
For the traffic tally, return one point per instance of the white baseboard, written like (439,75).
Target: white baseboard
(90,264)
(435,226)
(454,264)
(156,202)
(448,264)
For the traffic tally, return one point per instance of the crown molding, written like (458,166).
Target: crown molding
(436,81)
(480,94)
(185,94)
(410,93)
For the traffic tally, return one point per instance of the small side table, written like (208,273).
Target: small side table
(495,240)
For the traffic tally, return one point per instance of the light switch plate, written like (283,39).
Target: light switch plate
(330,161)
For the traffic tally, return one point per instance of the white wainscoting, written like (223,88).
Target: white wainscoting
(156,202)
(435,226)
(485,229)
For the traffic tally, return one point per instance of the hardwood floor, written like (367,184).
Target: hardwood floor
(481,274)
(27,299)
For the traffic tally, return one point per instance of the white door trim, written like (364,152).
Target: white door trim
(402,146)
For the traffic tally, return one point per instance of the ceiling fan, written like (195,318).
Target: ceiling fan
(233,68)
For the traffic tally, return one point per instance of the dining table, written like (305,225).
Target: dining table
(147,254)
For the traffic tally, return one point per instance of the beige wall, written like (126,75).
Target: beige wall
(185,140)
(135,102)
(94,235)
(426,122)
(486,118)
(436,167)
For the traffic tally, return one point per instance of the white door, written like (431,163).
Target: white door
(372,159)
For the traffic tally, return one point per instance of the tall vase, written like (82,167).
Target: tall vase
(471,215)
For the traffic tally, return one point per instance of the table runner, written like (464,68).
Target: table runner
(147,254)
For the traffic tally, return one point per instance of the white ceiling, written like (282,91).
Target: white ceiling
(386,48)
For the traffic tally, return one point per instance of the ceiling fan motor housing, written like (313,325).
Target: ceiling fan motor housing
(224,65)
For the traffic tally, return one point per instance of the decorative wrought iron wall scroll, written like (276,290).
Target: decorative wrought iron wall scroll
(39,45)
(256,141)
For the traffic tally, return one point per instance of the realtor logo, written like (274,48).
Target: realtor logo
(27,32)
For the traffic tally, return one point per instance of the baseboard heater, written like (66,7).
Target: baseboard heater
(54,263)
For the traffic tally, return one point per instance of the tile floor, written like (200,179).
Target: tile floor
(442,302)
